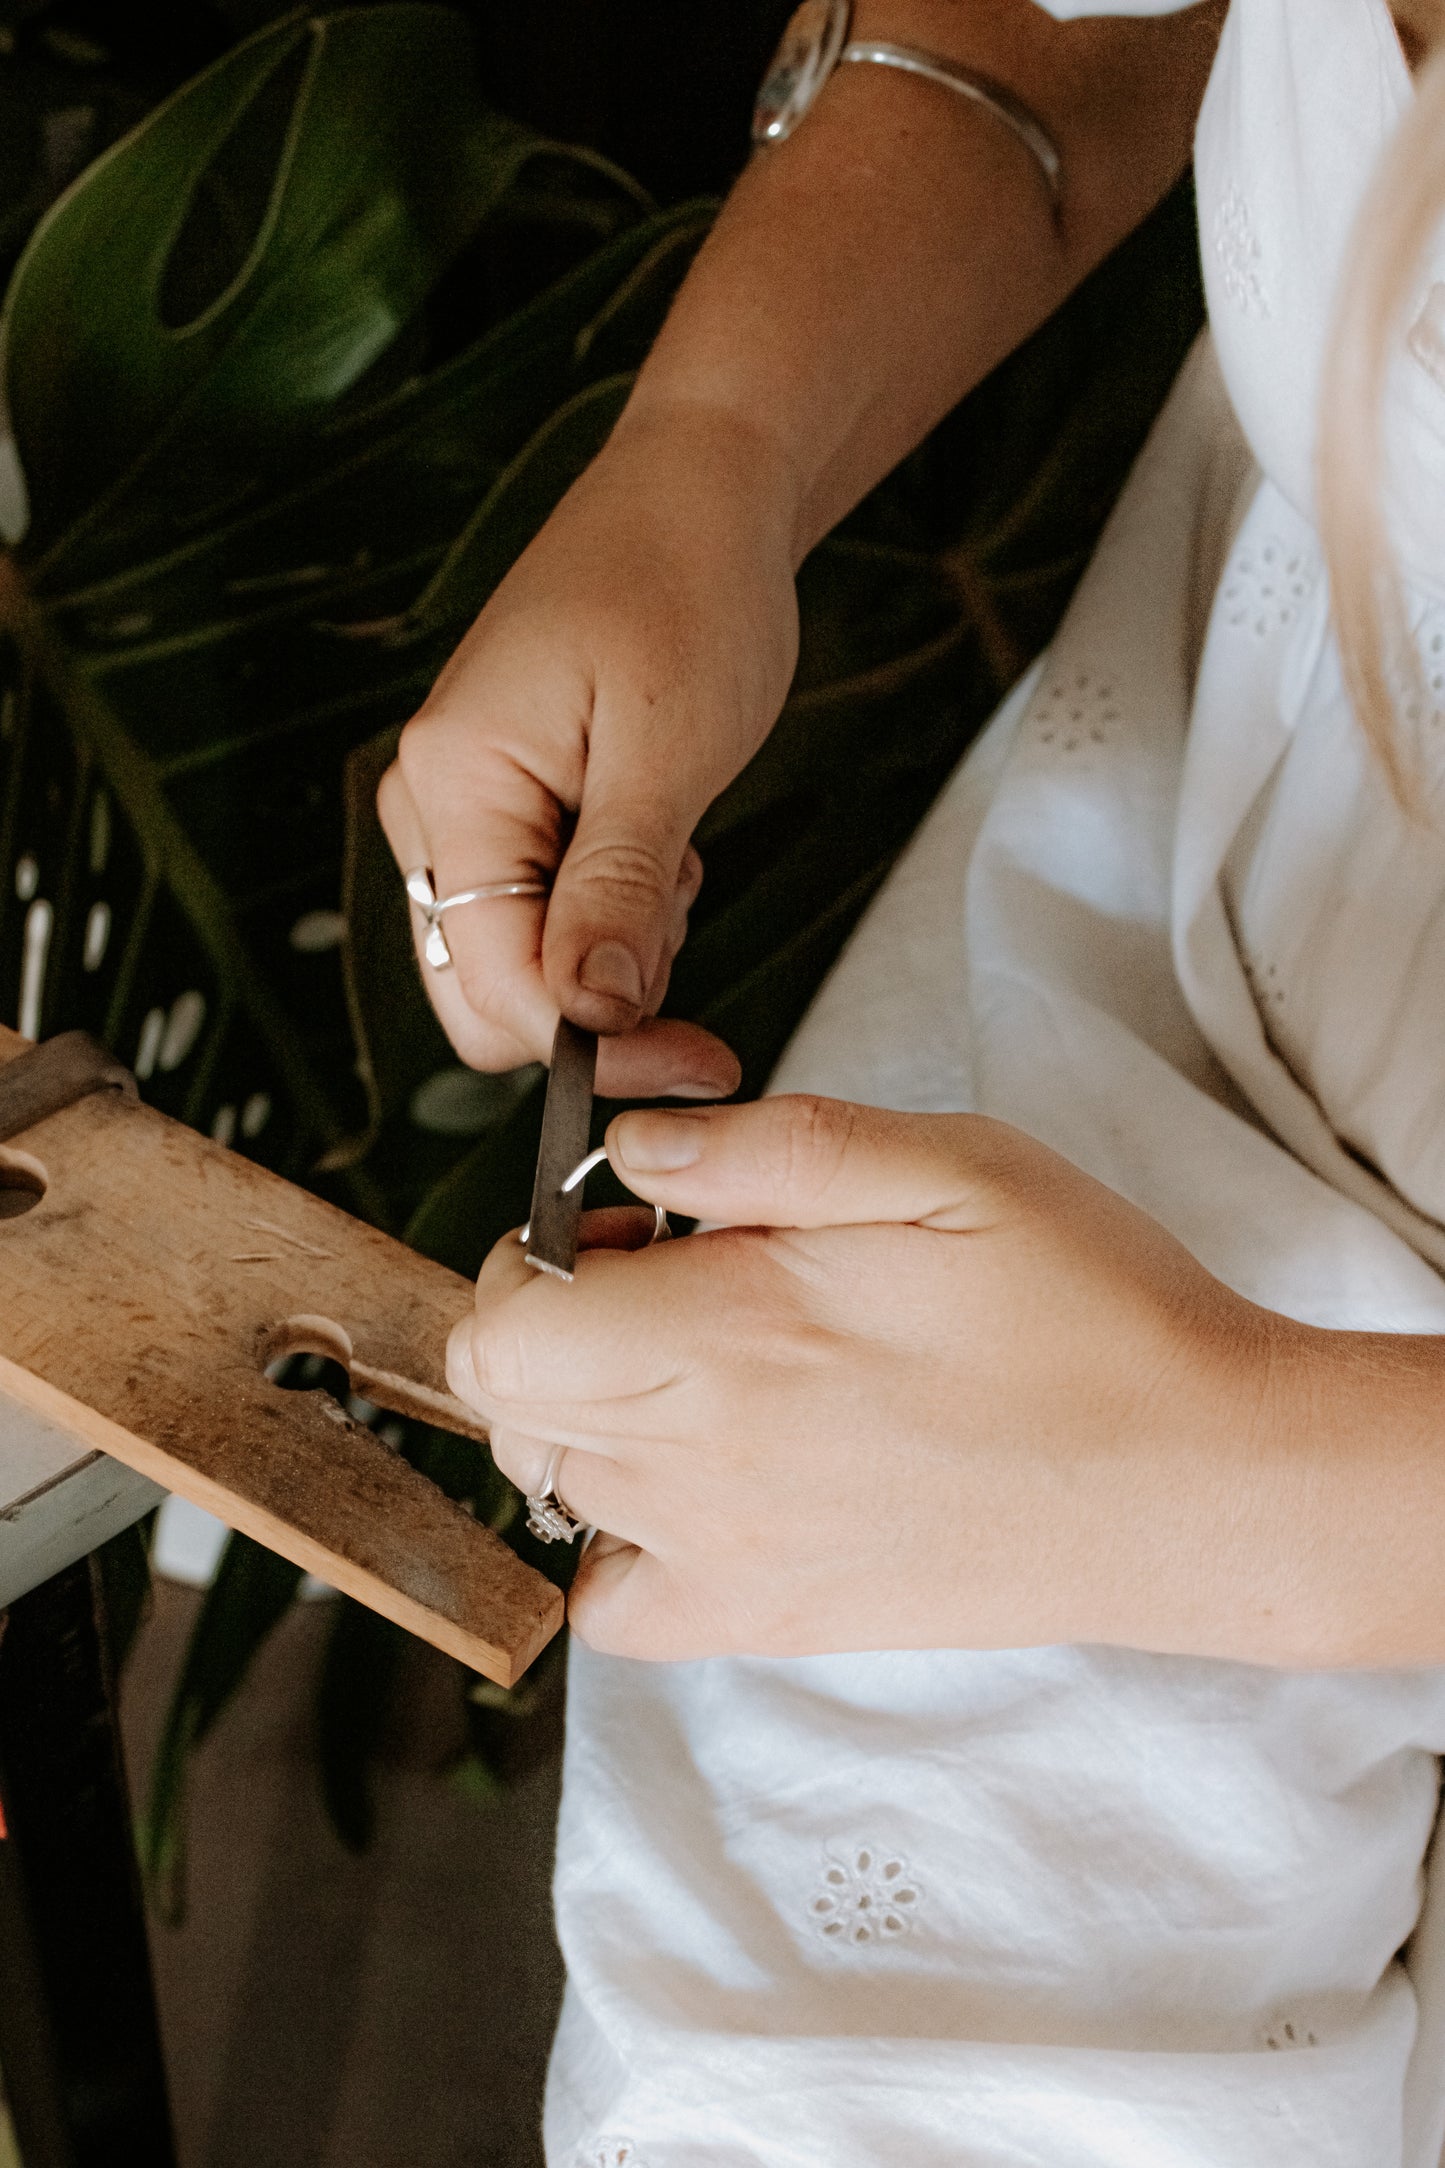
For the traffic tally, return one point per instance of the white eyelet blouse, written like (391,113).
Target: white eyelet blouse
(1083,1907)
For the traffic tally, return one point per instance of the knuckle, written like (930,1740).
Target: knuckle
(501,1359)
(689,879)
(811,1141)
(489,1050)
(417,751)
(446,745)
(495,1020)
(598,1624)
(1005,1160)
(612,1605)
(471,1039)
(515,1457)
(630,875)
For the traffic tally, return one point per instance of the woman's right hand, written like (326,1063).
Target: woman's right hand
(622,674)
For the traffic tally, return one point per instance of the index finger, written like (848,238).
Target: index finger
(487,824)
(493,1001)
(485,1045)
(604,1354)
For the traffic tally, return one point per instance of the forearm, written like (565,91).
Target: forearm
(1347,1531)
(865,274)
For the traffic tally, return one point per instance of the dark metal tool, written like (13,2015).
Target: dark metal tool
(53,1076)
(550,1236)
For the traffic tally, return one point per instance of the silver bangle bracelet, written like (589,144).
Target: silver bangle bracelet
(816,42)
(990,95)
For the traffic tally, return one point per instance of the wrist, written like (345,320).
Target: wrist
(1314,1530)
(1201,1539)
(1260,1598)
(1359,1465)
(710,456)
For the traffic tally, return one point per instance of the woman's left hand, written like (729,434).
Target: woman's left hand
(930,1386)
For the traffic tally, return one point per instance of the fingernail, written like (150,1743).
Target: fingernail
(725,1078)
(613,970)
(659,1143)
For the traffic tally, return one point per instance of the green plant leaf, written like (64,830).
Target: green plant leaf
(522,497)
(251,1593)
(234,685)
(621,334)
(475,1779)
(353,1707)
(123,1566)
(512,1730)
(363,1651)
(424,451)
(381,167)
(214,498)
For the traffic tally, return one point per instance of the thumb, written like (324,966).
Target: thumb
(799,1161)
(626,1602)
(618,891)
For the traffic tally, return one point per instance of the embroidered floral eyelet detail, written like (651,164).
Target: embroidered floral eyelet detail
(866,1895)
(1075,710)
(1267,586)
(611,2153)
(1418,690)
(1285,2034)
(1264,983)
(1238,254)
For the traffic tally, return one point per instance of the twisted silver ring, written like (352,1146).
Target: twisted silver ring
(422,890)
(548,1519)
(660,1227)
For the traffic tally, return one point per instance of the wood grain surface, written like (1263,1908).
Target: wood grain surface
(141,1300)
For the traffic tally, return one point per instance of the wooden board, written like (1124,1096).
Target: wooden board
(141,1300)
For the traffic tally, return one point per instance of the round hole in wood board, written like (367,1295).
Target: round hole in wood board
(301,1373)
(23,1182)
(304,1336)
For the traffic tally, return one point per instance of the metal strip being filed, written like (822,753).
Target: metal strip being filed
(566,1130)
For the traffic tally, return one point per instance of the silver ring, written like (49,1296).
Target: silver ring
(547,1518)
(660,1229)
(422,890)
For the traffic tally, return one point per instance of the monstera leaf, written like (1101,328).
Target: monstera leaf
(294,371)
(275,366)
(253,416)
(201,302)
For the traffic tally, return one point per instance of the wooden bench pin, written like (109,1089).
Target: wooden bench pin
(143,1295)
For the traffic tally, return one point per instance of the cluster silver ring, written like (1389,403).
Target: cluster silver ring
(548,1519)
(421,888)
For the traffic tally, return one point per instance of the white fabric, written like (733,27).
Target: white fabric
(1080,1908)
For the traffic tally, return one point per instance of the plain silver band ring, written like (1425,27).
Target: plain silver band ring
(548,1519)
(422,890)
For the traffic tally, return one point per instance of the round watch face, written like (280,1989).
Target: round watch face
(800,67)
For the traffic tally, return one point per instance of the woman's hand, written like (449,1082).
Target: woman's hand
(860,279)
(932,1386)
(622,674)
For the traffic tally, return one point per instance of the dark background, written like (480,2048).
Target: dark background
(663,86)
